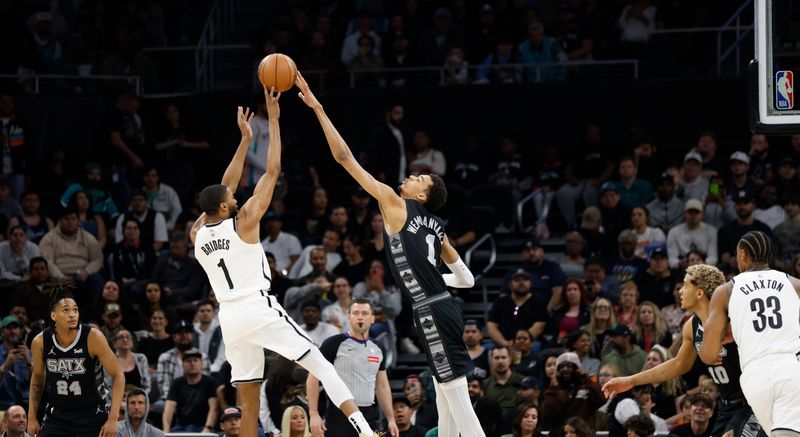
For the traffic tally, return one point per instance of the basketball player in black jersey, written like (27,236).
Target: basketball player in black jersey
(735,417)
(68,362)
(414,241)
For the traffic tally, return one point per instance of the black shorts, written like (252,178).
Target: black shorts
(440,326)
(338,425)
(63,422)
(739,417)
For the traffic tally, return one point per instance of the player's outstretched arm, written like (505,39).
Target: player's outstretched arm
(234,171)
(461,276)
(98,346)
(384,194)
(317,426)
(665,371)
(37,385)
(257,205)
(714,328)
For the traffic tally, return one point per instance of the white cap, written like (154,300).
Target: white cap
(740,156)
(568,357)
(693,155)
(693,204)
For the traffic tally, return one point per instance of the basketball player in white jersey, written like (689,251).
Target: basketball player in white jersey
(763,306)
(227,245)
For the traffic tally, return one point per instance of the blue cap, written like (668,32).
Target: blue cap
(608,186)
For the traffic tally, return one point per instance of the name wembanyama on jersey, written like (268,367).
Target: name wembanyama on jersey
(726,375)
(74,378)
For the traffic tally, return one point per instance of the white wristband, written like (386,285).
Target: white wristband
(461,276)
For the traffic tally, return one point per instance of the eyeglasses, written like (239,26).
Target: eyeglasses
(605,375)
(123,337)
(602,307)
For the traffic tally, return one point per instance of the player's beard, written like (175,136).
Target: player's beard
(232,211)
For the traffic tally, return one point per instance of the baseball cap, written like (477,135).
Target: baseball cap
(568,357)
(620,329)
(10,320)
(608,186)
(591,217)
(272,215)
(533,243)
(230,412)
(693,204)
(740,156)
(658,251)
(191,352)
(520,272)
(111,308)
(665,177)
(181,325)
(701,398)
(742,196)
(693,155)
(627,236)
(787,160)
(529,382)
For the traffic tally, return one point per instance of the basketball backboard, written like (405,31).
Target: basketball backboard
(774,108)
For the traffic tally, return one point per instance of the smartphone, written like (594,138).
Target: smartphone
(713,188)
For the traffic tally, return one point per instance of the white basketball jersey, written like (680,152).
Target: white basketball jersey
(234,268)
(764,310)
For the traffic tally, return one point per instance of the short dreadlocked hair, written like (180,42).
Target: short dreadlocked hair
(58,291)
(758,246)
(706,277)
(437,193)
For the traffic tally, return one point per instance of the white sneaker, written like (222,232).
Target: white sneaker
(407,346)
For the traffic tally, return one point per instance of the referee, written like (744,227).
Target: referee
(360,364)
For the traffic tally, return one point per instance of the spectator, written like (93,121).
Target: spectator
(788,232)
(386,298)
(666,210)
(489,416)
(423,409)
(713,164)
(126,151)
(636,402)
(673,314)
(529,391)
(628,308)
(664,394)
(134,424)
(580,342)
(499,66)
(519,310)
(511,178)
(479,354)
(161,197)
(573,311)
(297,295)
(573,261)
(627,357)
(14,151)
(314,329)
(152,226)
(374,241)
(730,234)
(134,365)
(719,208)
(353,267)
(192,398)
(646,237)
(398,53)
(523,358)
(279,283)
(545,276)
(500,383)
(649,329)
(694,234)
(598,283)
(209,335)
(30,294)
(111,294)
(336,313)
(435,41)
(132,260)
(153,299)
(768,209)
(456,67)
(16,254)
(656,282)
(157,340)
(547,179)
(9,207)
(367,65)
(693,185)
(538,49)
(73,253)
(571,393)
(230,421)
(626,265)
(739,174)
(576,37)
(90,221)
(351,44)
(284,246)
(30,220)
(16,363)
(402,416)
(112,322)
(176,151)
(15,422)
(632,190)
(359,213)
(760,160)
(700,422)
(386,147)
(607,371)
(181,277)
(526,423)
(424,159)
(340,222)
(548,365)
(577,427)
(787,180)
(616,215)
(316,260)
(637,21)
(639,426)
(92,185)
(170,366)
(129,59)
(601,321)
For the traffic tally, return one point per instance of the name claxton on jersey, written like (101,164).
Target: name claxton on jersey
(220,243)
(760,284)
(429,222)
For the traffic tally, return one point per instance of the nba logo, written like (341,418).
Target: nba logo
(784,90)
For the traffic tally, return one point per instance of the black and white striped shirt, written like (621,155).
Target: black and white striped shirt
(357,362)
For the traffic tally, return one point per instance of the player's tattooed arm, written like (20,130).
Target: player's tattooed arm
(37,385)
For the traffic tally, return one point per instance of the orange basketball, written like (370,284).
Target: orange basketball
(277,70)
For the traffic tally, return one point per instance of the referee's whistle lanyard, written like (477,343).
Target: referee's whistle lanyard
(358,340)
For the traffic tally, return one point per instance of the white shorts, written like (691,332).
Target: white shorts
(771,386)
(253,323)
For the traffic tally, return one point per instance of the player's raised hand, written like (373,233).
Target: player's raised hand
(305,93)
(33,427)
(243,119)
(273,109)
(109,429)
(616,385)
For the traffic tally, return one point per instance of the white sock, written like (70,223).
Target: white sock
(360,423)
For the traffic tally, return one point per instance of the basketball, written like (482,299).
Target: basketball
(277,70)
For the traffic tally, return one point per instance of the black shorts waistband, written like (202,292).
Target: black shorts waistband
(431,299)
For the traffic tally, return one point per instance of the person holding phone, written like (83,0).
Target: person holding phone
(15,369)
(719,209)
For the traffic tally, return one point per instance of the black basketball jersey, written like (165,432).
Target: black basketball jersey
(726,375)
(73,379)
(413,253)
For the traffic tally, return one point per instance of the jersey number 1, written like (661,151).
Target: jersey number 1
(431,239)
(225,271)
